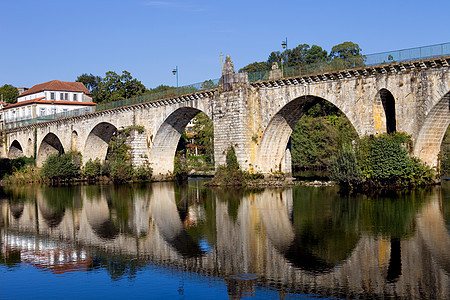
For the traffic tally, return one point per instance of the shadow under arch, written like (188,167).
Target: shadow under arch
(15,150)
(384,112)
(275,138)
(74,141)
(50,144)
(96,145)
(428,143)
(165,142)
(17,209)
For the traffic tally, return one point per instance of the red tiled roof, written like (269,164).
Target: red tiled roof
(42,101)
(56,85)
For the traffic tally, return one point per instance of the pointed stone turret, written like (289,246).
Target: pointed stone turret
(230,77)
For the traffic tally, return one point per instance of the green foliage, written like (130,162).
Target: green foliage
(445,154)
(274,57)
(208,84)
(319,134)
(231,174)
(231,159)
(315,54)
(255,67)
(384,161)
(295,56)
(119,158)
(203,126)
(116,87)
(346,55)
(344,167)
(61,167)
(92,169)
(142,173)
(345,50)
(9,93)
(92,83)
(9,166)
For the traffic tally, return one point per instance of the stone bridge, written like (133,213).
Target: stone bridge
(257,118)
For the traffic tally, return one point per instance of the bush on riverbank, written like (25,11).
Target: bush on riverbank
(230,174)
(61,167)
(380,162)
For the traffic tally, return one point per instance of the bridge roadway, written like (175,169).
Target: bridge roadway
(157,234)
(257,118)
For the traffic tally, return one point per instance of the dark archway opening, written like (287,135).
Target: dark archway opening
(388,102)
(15,151)
(50,145)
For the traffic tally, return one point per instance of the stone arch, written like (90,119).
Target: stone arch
(428,143)
(74,141)
(50,144)
(273,151)
(384,112)
(166,139)
(15,150)
(96,145)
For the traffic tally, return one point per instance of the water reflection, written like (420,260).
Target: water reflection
(301,240)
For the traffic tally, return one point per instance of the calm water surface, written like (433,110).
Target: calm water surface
(166,241)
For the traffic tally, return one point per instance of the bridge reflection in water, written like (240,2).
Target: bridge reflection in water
(301,240)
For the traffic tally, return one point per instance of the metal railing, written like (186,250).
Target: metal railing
(338,64)
(405,55)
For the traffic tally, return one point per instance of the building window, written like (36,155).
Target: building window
(53,111)
(52,96)
(74,97)
(42,112)
(66,96)
(61,96)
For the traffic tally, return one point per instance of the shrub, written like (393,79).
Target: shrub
(143,172)
(121,171)
(92,169)
(344,167)
(231,159)
(61,167)
(382,161)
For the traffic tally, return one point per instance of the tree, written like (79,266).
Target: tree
(92,83)
(116,87)
(347,55)
(274,57)
(255,67)
(315,54)
(204,128)
(295,56)
(9,93)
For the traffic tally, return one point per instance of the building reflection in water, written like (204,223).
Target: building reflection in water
(304,240)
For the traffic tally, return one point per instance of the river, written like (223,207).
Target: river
(163,240)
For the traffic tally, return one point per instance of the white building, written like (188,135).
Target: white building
(49,98)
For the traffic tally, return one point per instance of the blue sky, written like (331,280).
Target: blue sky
(44,40)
